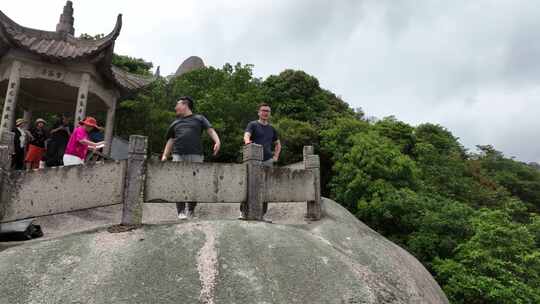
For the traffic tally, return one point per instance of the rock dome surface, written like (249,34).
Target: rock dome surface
(190,64)
(217,260)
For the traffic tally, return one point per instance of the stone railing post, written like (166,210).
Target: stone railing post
(134,183)
(253,208)
(312,162)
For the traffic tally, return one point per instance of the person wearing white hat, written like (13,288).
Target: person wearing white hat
(20,140)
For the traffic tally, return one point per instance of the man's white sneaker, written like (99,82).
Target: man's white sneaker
(267,219)
(182,216)
(241,216)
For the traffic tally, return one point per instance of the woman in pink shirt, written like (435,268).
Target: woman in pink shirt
(79,143)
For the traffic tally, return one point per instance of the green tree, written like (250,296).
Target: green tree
(294,135)
(132,65)
(440,227)
(499,264)
(336,136)
(470,218)
(374,166)
(521,180)
(148,113)
(297,95)
(399,132)
(444,167)
(534,229)
(228,97)
(127,63)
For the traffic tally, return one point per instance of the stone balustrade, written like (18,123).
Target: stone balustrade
(138,180)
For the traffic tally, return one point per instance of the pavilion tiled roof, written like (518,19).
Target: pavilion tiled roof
(62,46)
(55,45)
(130,81)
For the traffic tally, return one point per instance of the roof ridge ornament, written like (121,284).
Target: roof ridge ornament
(65,25)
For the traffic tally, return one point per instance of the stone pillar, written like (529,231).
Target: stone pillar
(5,166)
(82,99)
(312,162)
(109,128)
(135,181)
(10,102)
(5,158)
(27,115)
(7,138)
(253,208)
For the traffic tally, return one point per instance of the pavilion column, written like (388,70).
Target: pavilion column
(109,127)
(27,115)
(82,99)
(10,102)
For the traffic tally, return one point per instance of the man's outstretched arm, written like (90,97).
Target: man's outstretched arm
(168,149)
(217,143)
(277,149)
(247,138)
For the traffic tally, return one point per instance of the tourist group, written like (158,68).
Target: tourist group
(40,146)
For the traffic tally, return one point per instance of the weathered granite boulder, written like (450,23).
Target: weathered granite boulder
(335,260)
(190,64)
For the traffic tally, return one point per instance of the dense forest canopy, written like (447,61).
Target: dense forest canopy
(471,217)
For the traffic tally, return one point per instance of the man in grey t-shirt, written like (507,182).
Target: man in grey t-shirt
(184,141)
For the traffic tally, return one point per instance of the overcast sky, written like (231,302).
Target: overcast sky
(472,66)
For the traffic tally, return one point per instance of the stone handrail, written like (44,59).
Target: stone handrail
(250,183)
(137,180)
(29,194)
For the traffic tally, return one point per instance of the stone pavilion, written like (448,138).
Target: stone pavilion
(57,72)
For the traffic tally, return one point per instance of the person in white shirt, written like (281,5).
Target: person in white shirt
(20,141)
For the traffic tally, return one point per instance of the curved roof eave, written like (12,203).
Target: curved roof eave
(55,45)
(129,82)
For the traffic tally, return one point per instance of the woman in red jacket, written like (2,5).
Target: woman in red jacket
(36,146)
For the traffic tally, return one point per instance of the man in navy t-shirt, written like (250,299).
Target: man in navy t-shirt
(262,133)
